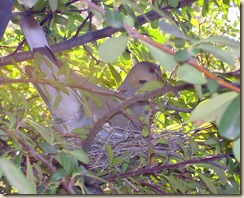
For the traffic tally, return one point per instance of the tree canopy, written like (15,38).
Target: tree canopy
(191,142)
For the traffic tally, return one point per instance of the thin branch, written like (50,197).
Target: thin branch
(154,170)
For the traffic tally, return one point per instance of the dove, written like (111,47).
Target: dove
(69,114)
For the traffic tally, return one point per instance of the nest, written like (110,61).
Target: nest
(133,145)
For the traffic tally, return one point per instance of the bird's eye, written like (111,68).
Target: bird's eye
(151,70)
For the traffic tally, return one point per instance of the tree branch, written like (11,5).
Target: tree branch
(153,170)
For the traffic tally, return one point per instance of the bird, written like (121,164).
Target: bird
(69,113)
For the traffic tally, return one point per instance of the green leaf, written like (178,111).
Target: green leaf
(237,149)
(145,132)
(161,141)
(182,56)
(117,161)
(212,85)
(209,184)
(57,100)
(193,146)
(199,91)
(213,108)
(230,122)
(166,60)
(225,56)
(174,3)
(58,175)
(80,155)
(114,18)
(150,86)
(58,86)
(43,131)
(110,155)
(172,30)
(221,40)
(48,148)
(175,184)
(112,48)
(115,73)
(129,21)
(191,75)
(182,146)
(53,4)
(30,174)
(15,177)
(12,120)
(68,162)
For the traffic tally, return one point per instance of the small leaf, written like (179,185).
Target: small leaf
(53,4)
(57,100)
(175,184)
(112,48)
(129,20)
(225,56)
(161,141)
(30,174)
(43,131)
(174,3)
(212,85)
(150,86)
(182,56)
(117,161)
(166,60)
(198,89)
(209,184)
(48,148)
(80,155)
(110,155)
(172,30)
(213,108)
(145,132)
(15,177)
(59,86)
(115,73)
(68,162)
(230,123)
(193,146)
(191,75)
(237,149)
(12,120)
(58,175)
(114,18)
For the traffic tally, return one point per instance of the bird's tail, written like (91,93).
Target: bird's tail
(33,32)
(64,106)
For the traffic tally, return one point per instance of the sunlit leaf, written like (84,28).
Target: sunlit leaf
(172,29)
(237,149)
(213,109)
(230,123)
(166,60)
(114,18)
(112,48)
(16,177)
(191,75)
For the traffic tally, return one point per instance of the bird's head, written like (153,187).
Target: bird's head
(140,74)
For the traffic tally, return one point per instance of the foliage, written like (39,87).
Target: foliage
(199,129)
